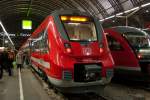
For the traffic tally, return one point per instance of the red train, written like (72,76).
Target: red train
(130,49)
(69,49)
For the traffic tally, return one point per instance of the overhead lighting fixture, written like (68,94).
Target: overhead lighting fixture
(147,11)
(144,5)
(113,21)
(119,14)
(110,17)
(6,41)
(127,11)
(5,32)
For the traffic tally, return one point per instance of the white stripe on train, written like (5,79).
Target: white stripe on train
(41,62)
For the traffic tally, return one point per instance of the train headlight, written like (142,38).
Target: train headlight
(68,50)
(139,56)
(68,47)
(101,50)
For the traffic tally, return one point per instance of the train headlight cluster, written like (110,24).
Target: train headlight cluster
(139,56)
(101,50)
(68,47)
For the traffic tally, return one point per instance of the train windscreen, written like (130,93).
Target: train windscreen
(138,40)
(79,28)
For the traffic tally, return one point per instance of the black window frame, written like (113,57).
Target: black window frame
(91,20)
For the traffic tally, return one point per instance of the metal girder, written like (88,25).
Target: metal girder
(116,5)
(34,11)
(100,8)
(41,8)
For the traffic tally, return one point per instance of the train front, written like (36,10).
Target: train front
(140,42)
(84,63)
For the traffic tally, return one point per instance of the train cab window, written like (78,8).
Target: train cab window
(113,44)
(80,30)
(137,40)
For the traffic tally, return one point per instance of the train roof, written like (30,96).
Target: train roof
(54,13)
(69,12)
(127,29)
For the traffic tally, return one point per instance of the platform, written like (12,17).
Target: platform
(31,87)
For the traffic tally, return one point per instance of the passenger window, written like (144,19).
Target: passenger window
(44,42)
(113,44)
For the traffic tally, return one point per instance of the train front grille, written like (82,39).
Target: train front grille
(67,75)
(87,72)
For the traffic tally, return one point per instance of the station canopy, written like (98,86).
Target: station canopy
(14,11)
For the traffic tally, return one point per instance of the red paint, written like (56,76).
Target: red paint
(125,57)
(63,58)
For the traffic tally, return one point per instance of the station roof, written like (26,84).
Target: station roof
(12,12)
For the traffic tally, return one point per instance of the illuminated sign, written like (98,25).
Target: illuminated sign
(26,24)
(74,18)
(13,34)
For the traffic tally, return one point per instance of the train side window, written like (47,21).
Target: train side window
(31,44)
(113,44)
(36,43)
(44,41)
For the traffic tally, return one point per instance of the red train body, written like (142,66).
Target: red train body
(71,52)
(130,62)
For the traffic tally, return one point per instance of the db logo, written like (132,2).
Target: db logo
(87,51)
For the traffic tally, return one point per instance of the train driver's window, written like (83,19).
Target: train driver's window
(113,44)
(81,31)
(71,33)
(85,33)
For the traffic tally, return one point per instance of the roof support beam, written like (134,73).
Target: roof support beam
(29,8)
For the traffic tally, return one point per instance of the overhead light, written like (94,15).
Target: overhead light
(2,49)
(147,11)
(119,14)
(127,11)
(113,21)
(5,32)
(144,5)
(6,41)
(110,17)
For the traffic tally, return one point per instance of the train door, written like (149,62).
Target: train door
(45,51)
(123,55)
